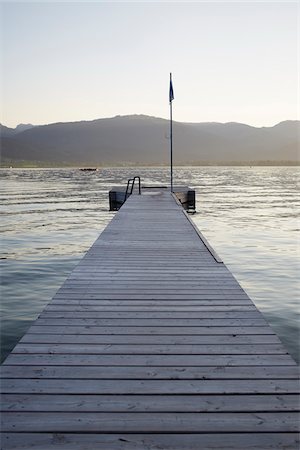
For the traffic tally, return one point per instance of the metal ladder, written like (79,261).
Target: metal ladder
(130,186)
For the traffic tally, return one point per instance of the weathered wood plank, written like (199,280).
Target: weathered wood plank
(149,403)
(186,289)
(150,423)
(136,304)
(174,441)
(155,282)
(174,311)
(152,330)
(153,322)
(163,277)
(150,387)
(154,296)
(152,372)
(151,349)
(148,339)
(150,360)
(84,314)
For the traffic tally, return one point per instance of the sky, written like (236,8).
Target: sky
(69,61)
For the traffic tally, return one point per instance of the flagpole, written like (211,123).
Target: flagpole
(171,135)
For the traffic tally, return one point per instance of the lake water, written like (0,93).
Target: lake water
(50,217)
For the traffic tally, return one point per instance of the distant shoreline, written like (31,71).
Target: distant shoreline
(144,141)
(37,165)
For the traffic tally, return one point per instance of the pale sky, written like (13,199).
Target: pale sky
(69,61)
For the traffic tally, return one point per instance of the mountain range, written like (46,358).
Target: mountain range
(140,139)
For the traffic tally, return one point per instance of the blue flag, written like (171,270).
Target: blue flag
(171,92)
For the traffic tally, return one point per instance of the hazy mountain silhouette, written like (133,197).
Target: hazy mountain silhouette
(8,132)
(143,139)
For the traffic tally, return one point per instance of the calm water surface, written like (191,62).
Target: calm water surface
(51,217)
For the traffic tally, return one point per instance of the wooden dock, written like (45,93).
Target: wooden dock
(150,344)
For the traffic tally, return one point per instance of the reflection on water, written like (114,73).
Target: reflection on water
(50,217)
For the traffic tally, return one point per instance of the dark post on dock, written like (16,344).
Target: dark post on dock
(150,343)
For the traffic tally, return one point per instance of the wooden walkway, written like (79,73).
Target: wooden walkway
(150,344)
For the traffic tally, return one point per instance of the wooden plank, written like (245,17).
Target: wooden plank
(75,339)
(146,305)
(205,272)
(150,360)
(150,387)
(149,403)
(154,296)
(136,289)
(142,305)
(152,330)
(174,441)
(151,349)
(153,372)
(150,423)
(111,304)
(153,322)
(162,286)
(151,289)
(147,312)
(181,278)
(83,314)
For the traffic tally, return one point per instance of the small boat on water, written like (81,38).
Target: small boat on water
(89,169)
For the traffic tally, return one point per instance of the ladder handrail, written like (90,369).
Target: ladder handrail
(132,181)
(127,188)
